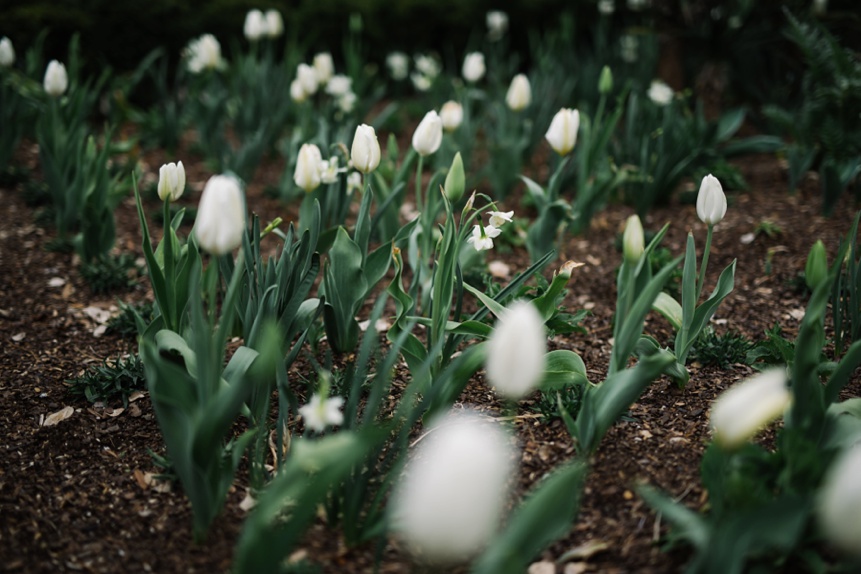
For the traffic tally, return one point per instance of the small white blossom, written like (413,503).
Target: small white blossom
(220,222)
(660,93)
(354,182)
(421,82)
(204,53)
(255,25)
(606,7)
(320,413)
(428,135)
(497,25)
(329,170)
(398,64)
(7,52)
(274,23)
(308,78)
(347,102)
(56,80)
(324,66)
(171,181)
(451,115)
(482,237)
(339,85)
(427,65)
(473,67)
(500,218)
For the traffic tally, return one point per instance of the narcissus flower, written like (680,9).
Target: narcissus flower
(428,135)
(562,133)
(339,85)
(516,351)
(473,67)
(500,218)
(320,413)
(365,152)
(519,94)
(307,173)
(56,80)
(171,181)
(450,499)
(482,237)
(740,412)
(220,222)
(711,201)
(204,53)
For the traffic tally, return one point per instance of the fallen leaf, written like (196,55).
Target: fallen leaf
(585,550)
(19,337)
(499,269)
(56,282)
(97,314)
(575,568)
(248,502)
(58,416)
(747,238)
(543,567)
(140,478)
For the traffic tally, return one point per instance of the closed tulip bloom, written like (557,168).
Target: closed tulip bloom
(516,351)
(308,79)
(473,67)
(451,115)
(519,94)
(365,152)
(56,79)
(740,412)
(398,64)
(274,23)
(562,133)
(307,173)
(839,503)
(220,222)
(7,52)
(325,66)
(339,85)
(660,93)
(497,24)
(171,181)
(297,94)
(450,498)
(711,201)
(428,135)
(633,240)
(255,25)
(204,53)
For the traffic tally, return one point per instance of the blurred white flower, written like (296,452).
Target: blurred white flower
(606,7)
(7,52)
(428,135)
(630,48)
(839,502)
(516,351)
(365,152)
(324,66)
(451,496)
(204,53)
(497,25)
(519,94)
(637,5)
(473,67)
(660,93)
(427,65)
(220,222)
(562,133)
(56,80)
(339,85)
(420,82)
(354,182)
(320,413)
(500,218)
(740,412)
(297,94)
(711,201)
(308,78)
(347,102)
(307,173)
(171,181)
(398,64)
(482,237)
(255,25)
(820,6)
(451,115)
(274,23)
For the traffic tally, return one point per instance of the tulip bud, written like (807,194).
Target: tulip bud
(324,66)
(746,407)
(428,135)
(839,502)
(308,78)
(711,201)
(398,64)
(516,351)
(816,270)
(449,502)
(562,133)
(455,181)
(297,94)
(605,82)
(274,23)
(255,25)
(451,115)
(307,173)
(7,52)
(220,222)
(339,85)
(497,25)
(473,67)
(171,181)
(365,152)
(519,94)
(633,240)
(56,79)
(660,93)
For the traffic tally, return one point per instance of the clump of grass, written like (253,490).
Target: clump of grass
(124,324)
(114,378)
(547,405)
(109,274)
(722,350)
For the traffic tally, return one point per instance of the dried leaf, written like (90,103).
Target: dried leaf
(56,282)
(58,416)
(543,567)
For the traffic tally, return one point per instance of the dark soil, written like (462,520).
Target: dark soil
(79,496)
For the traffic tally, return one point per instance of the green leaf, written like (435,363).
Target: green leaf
(669,308)
(563,368)
(687,524)
(497,309)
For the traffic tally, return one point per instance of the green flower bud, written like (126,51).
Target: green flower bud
(455,181)
(816,270)
(605,82)
(633,240)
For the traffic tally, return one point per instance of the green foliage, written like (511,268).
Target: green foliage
(114,378)
(722,351)
(773,350)
(108,274)
(550,403)
(125,324)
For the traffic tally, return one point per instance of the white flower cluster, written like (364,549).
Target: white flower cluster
(321,72)
(204,53)
(263,25)
(483,235)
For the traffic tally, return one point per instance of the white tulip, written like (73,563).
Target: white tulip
(7,52)
(339,85)
(347,102)
(365,151)
(398,64)
(325,66)
(497,24)
(451,115)
(308,78)
(482,237)
(633,240)
(473,67)
(56,79)
(606,7)
(660,93)
(562,133)
(255,25)
(516,351)
(204,53)
(839,504)
(451,496)
(428,135)
(171,181)
(274,23)
(307,173)
(748,406)
(297,94)
(711,201)
(220,222)
(320,413)
(519,94)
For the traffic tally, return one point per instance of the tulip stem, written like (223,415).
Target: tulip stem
(705,262)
